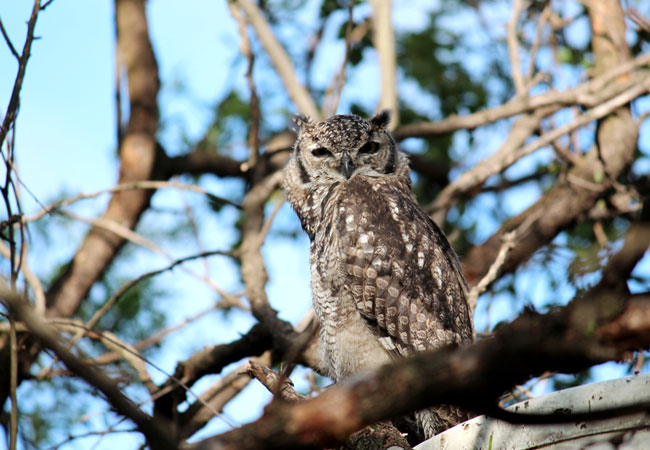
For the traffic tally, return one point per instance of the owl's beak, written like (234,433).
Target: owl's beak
(347,167)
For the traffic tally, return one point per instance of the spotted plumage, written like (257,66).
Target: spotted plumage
(385,281)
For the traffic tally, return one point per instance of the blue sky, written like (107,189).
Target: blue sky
(66,143)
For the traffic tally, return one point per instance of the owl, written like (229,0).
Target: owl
(385,281)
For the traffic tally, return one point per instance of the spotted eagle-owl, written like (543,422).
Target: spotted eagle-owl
(385,281)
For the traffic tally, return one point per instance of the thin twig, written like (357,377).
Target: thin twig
(8,41)
(31,278)
(116,344)
(14,101)
(541,24)
(509,241)
(103,433)
(135,185)
(46,4)
(278,385)
(13,382)
(130,235)
(125,287)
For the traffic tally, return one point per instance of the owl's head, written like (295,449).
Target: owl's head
(342,147)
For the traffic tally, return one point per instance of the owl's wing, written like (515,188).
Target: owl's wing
(399,269)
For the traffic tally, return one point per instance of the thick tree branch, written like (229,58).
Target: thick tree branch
(473,377)
(137,163)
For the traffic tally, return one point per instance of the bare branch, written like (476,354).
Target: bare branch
(541,24)
(588,94)
(217,396)
(138,155)
(125,287)
(31,278)
(520,132)
(568,201)
(491,275)
(383,38)
(201,162)
(14,101)
(334,90)
(513,48)
(154,185)
(280,60)
(493,165)
(8,41)
(154,432)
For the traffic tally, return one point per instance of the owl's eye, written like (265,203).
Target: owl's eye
(320,152)
(369,148)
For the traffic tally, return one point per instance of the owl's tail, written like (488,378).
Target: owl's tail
(440,418)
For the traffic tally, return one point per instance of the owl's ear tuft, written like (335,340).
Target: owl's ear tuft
(381,119)
(298,121)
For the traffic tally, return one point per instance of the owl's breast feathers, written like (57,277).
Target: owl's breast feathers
(397,267)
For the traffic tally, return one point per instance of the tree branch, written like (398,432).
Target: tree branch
(473,377)
(383,38)
(588,94)
(155,433)
(616,143)
(14,100)
(138,155)
(513,49)
(280,59)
